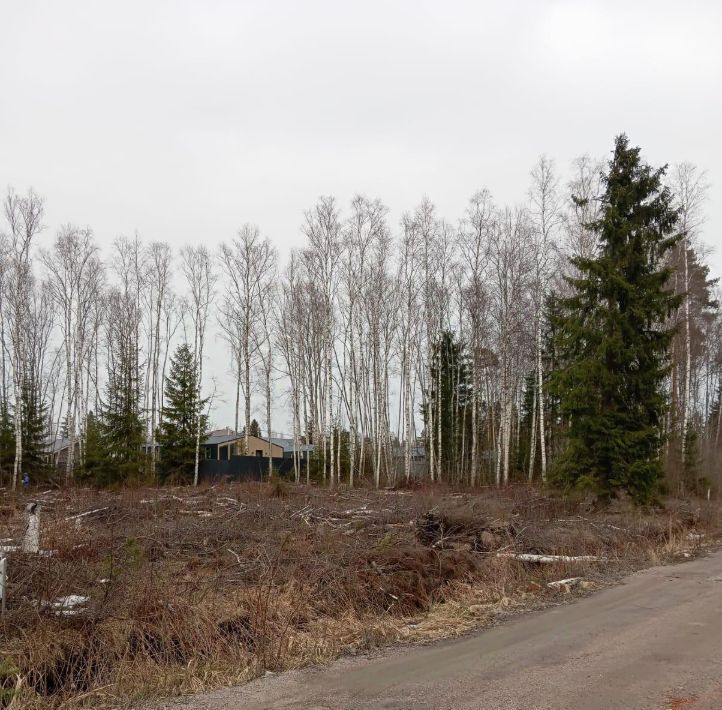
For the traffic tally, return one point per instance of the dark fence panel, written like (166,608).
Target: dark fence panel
(243,468)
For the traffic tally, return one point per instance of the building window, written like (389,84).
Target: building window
(259,452)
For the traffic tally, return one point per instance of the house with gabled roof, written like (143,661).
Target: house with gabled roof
(223,444)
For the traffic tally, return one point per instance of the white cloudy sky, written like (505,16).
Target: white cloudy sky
(182,120)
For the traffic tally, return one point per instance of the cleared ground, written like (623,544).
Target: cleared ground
(653,642)
(158,592)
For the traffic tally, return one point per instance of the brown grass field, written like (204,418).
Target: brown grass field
(189,589)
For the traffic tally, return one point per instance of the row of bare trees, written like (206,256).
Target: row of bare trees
(362,314)
(64,318)
(343,344)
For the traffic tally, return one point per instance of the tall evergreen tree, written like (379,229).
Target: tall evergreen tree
(34,432)
(177,432)
(449,395)
(34,427)
(612,335)
(253,430)
(121,429)
(7,444)
(95,460)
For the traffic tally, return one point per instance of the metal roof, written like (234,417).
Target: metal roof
(53,447)
(287,444)
(223,439)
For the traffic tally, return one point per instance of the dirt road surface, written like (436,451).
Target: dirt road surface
(653,642)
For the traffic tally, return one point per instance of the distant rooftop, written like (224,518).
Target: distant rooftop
(221,438)
(52,447)
(226,431)
(287,444)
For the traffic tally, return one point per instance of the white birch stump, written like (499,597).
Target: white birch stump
(31,539)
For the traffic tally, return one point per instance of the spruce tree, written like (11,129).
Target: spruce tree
(177,432)
(253,430)
(34,427)
(121,429)
(95,460)
(613,338)
(449,394)
(7,444)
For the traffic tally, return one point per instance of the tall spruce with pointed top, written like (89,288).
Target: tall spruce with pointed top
(121,429)
(613,336)
(179,418)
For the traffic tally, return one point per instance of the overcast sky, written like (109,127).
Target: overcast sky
(182,120)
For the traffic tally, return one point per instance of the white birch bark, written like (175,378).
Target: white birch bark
(200,277)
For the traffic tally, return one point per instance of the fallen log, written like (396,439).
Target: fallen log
(85,514)
(549,559)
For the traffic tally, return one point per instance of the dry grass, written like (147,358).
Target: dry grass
(189,589)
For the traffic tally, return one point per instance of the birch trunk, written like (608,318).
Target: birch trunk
(540,395)
(268,408)
(474,427)
(687,358)
(532,438)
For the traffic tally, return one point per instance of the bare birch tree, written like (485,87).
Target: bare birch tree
(75,278)
(689,184)
(245,261)
(509,289)
(290,339)
(159,259)
(322,227)
(24,216)
(197,267)
(546,216)
(408,332)
(475,237)
(267,317)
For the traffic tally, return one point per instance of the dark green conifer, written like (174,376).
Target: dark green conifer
(449,394)
(121,429)
(7,444)
(613,337)
(177,432)
(34,428)
(96,459)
